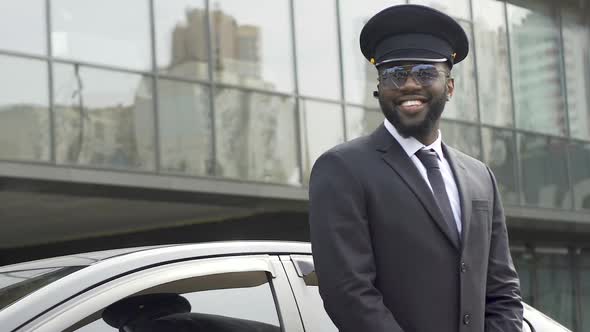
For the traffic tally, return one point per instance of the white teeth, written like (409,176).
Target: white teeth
(412,103)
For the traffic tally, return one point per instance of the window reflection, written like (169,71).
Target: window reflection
(228,301)
(544,171)
(463,104)
(500,156)
(579,155)
(491,49)
(103,118)
(360,77)
(456,8)
(253,48)
(109,32)
(555,284)
(465,138)
(524,265)
(576,40)
(255,136)
(535,52)
(181,38)
(24,109)
(317,48)
(584,275)
(362,121)
(322,129)
(185,127)
(27,18)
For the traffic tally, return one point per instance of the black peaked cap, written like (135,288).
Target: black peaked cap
(413,32)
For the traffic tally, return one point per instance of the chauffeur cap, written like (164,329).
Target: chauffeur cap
(413,33)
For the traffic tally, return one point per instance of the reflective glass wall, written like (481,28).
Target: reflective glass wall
(256,90)
(556,280)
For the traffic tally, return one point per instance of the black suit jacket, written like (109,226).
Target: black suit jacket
(384,256)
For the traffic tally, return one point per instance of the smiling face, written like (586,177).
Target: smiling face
(414,108)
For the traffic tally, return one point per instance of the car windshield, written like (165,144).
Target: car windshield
(17,284)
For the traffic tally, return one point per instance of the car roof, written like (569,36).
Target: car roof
(81,259)
(113,263)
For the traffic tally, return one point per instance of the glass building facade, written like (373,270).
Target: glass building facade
(255,90)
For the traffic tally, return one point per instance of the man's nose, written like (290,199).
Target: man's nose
(410,84)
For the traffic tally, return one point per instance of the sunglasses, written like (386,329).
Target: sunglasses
(424,74)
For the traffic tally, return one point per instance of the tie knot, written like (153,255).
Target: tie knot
(428,158)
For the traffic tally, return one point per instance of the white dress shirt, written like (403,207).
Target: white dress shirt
(411,146)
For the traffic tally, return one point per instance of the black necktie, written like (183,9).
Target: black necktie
(430,161)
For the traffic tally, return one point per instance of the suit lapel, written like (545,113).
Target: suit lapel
(460,174)
(395,156)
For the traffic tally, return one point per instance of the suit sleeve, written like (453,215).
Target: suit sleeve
(342,249)
(504,310)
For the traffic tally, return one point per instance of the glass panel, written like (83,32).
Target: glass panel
(535,52)
(252,47)
(103,118)
(493,71)
(361,121)
(317,136)
(555,287)
(576,40)
(253,303)
(240,301)
(181,38)
(580,166)
(255,136)
(585,291)
(544,171)
(360,77)
(465,138)
(109,32)
(523,262)
(27,18)
(317,48)
(24,109)
(185,127)
(455,8)
(500,156)
(463,104)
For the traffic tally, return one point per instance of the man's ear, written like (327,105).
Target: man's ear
(450,87)
(376,92)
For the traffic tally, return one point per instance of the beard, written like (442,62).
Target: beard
(417,130)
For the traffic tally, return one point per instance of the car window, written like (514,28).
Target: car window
(232,299)
(305,286)
(17,284)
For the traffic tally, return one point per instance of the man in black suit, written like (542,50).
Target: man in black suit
(408,234)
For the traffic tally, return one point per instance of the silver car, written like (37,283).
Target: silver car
(220,286)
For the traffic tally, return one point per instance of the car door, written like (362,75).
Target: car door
(253,288)
(303,280)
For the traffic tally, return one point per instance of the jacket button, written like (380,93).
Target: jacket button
(466,319)
(463,267)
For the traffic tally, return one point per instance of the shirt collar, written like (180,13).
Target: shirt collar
(412,145)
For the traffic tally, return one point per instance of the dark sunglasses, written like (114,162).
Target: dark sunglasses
(424,74)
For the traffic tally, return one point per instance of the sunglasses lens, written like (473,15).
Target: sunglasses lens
(395,77)
(425,74)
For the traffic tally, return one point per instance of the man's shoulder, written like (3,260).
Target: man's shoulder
(353,149)
(468,161)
